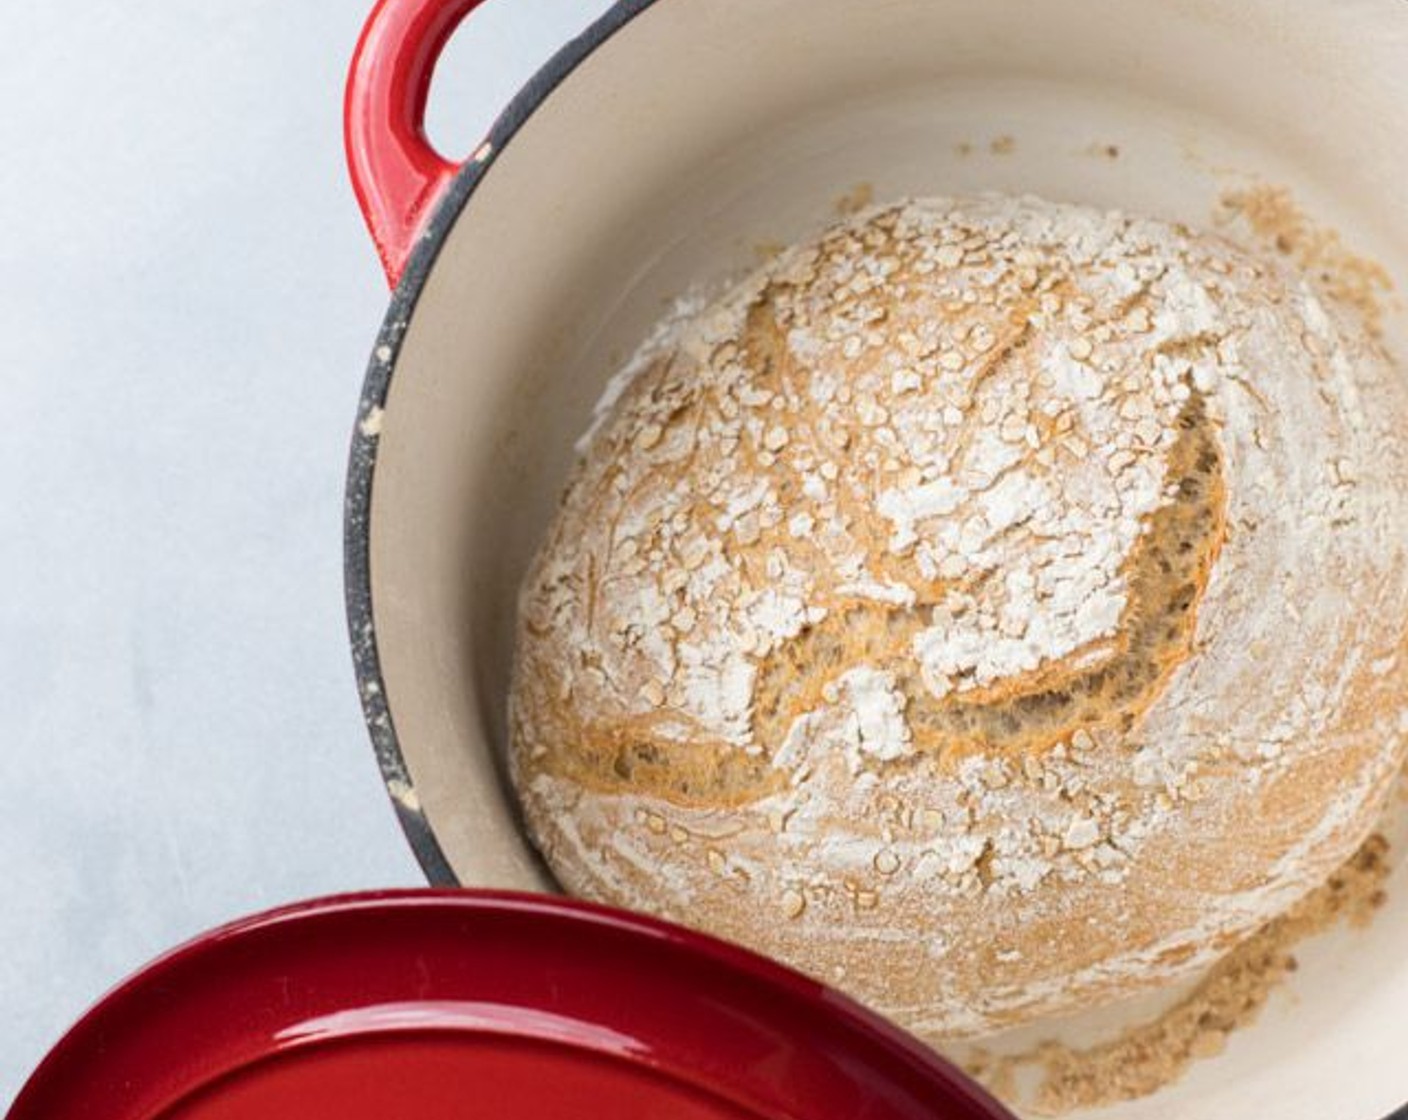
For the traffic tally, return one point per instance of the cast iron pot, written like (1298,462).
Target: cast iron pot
(662,148)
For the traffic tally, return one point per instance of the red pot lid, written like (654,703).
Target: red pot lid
(429,1005)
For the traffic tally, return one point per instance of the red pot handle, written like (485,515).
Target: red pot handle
(396,173)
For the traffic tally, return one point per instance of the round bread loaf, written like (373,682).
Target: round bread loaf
(991,607)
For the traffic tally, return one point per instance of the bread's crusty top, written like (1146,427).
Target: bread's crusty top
(977,564)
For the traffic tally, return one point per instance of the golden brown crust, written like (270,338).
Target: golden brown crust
(954,610)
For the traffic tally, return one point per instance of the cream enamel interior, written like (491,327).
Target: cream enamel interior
(705,129)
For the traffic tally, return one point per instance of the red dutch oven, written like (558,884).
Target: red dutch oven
(666,147)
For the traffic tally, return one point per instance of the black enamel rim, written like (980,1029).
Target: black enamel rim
(361,466)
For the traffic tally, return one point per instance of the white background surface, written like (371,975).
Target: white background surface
(187,299)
